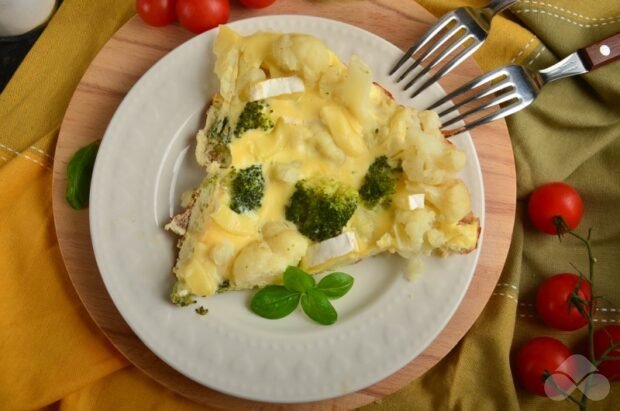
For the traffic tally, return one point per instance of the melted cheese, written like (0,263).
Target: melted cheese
(335,123)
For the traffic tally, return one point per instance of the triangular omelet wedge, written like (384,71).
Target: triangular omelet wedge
(309,163)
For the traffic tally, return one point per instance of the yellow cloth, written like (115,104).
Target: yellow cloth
(51,353)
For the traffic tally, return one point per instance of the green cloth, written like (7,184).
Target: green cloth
(571,133)
(54,356)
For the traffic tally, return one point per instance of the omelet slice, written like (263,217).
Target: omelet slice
(309,163)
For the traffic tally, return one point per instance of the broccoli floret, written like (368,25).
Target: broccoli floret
(247,189)
(321,207)
(379,183)
(255,114)
(220,131)
(181,296)
(215,147)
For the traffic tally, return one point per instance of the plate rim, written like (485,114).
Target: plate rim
(247,21)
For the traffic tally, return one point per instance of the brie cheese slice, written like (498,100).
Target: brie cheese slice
(276,87)
(334,247)
(416,201)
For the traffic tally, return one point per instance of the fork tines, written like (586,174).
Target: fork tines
(461,29)
(492,90)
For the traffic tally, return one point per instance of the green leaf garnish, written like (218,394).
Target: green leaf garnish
(335,285)
(316,305)
(277,301)
(296,279)
(274,301)
(79,174)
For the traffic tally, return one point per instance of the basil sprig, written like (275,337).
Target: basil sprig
(275,301)
(278,301)
(79,173)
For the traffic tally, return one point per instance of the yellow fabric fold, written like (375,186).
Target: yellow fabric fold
(53,356)
(49,347)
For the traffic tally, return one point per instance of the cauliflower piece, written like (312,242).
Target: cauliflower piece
(354,91)
(289,244)
(384,108)
(314,56)
(410,228)
(452,200)
(305,55)
(222,253)
(263,261)
(452,160)
(284,54)
(429,120)
(257,265)
(325,144)
(387,242)
(239,224)
(414,267)
(293,135)
(435,238)
(420,161)
(363,223)
(287,172)
(400,125)
(330,79)
(346,135)
(227,62)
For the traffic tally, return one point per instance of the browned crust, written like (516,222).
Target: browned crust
(467,220)
(387,93)
(181,220)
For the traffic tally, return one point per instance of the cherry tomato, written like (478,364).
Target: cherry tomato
(603,339)
(198,16)
(536,357)
(552,200)
(552,301)
(156,12)
(257,4)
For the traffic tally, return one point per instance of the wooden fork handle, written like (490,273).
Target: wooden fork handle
(601,53)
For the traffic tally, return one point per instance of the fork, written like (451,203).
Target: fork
(516,86)
(467,23)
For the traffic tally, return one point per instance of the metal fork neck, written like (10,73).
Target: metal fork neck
(495,6)
(569,66)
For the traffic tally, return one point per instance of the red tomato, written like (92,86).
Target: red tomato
(257,4)
(198,16)
(552,200)
(156,12)
(537,356)
(603,339)
(552,302)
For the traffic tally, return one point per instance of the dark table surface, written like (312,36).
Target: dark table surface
(14,49)
(12,52)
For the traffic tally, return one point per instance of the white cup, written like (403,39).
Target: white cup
(20,16)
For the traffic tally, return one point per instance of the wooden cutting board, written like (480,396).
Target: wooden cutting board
(135,48)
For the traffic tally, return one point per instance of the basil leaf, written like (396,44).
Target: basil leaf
(296,279)
(336,285)
(274,301)
(317,306)
(79,174)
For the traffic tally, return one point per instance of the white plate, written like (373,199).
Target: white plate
(146,161)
